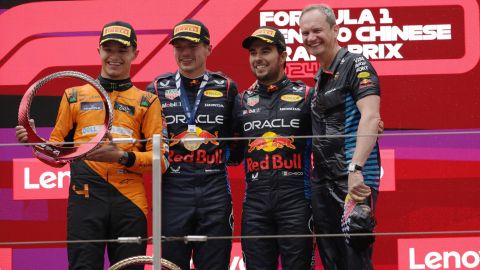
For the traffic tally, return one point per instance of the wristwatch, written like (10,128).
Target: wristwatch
(124,158)
(352,167)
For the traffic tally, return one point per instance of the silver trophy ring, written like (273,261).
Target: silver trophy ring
(54,154)
(142,260)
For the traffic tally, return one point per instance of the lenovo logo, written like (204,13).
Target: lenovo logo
(444,260)
(439,253)
(34,180)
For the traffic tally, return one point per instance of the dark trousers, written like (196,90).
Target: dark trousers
(276,212)
(327,205)
(202,207)
(104,214)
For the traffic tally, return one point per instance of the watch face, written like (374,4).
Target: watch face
(351,167)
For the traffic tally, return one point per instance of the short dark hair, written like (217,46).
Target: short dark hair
(328,11)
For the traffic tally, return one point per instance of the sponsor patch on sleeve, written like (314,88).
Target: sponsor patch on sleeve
(145,102)
(363,75)
(72,96)
(252,101)
(365,83)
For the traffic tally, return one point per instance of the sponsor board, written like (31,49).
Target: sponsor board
(34,180)
(439,253)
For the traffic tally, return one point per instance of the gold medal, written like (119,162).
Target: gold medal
(192,145)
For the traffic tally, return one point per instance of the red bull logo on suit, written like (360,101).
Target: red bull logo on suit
(269,142)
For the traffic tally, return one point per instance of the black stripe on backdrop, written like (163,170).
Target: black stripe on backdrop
(44,110)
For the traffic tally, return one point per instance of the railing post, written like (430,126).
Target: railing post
(157,201)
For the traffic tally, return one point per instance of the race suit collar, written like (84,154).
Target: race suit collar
(191,84)
(115,85)
(275,86)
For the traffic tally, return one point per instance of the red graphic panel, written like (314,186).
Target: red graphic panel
(373,28)
(73,42)
(5,259)
(432,184)
(387,176)
(34,180)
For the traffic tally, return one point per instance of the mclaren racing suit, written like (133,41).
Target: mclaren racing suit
(334,112)
(196,193)
(277,198)
(108,200)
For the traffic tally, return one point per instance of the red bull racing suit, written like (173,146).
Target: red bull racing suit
(108,200)
(277,198)
(196,194)
(334,112)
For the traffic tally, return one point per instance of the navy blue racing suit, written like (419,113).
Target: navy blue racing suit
(196,195)
(277,198)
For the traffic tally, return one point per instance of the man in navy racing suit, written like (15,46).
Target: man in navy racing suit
(277,199)
(196,196)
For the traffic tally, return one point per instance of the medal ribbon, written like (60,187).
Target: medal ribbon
(190,113)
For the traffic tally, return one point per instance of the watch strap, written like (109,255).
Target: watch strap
(352,167)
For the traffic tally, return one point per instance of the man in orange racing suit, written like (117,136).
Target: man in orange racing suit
(107,196)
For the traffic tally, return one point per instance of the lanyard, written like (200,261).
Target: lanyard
(190,113)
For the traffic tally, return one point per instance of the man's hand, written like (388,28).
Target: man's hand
(357,188)
(107,152)
(21,132)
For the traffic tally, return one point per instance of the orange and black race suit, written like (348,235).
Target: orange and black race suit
(108,200)
(196,194)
